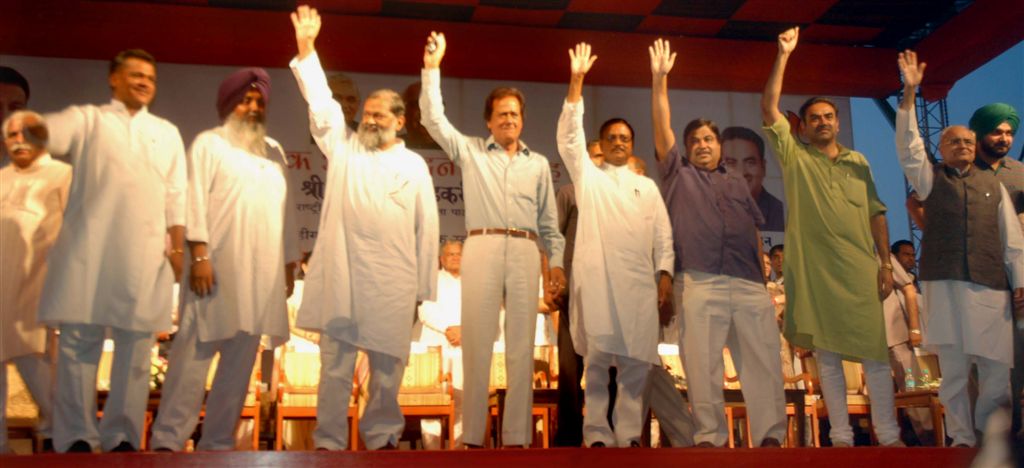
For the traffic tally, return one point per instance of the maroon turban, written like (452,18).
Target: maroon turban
(233,88)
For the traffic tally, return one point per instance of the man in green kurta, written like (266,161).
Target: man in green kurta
(834,284)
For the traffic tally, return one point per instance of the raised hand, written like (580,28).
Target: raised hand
(580,59)
(662,58)
(911,69)
(788,40)
(433,52)
(307,26)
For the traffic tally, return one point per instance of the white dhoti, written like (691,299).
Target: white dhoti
(185,387)
(496,268)
(720,310)
(970,323)
(631,381)
(382,422)
(78,352)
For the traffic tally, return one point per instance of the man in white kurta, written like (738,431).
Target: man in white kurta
(622,262)
(375,256)
(242,246)
(968,318)
(111,268)
(33,193)
(441,327)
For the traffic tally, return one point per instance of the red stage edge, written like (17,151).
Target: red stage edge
(859,457)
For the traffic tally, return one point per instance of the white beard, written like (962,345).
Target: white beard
(245,135)
(373,139)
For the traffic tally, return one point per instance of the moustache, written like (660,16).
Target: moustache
(14,148)
(823,127)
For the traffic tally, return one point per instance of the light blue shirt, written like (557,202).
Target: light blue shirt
(500,191)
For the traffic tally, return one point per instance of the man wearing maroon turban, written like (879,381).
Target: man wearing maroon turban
(242,251)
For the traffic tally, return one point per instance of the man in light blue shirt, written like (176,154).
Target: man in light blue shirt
(510,204)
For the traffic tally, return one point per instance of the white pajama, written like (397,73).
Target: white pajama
(720,310)
(496,267)
(78,352)
(382,422)
(36,371)
(185,387)
(631,381)
(833,388)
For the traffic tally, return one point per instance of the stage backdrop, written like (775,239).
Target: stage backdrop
(187,94)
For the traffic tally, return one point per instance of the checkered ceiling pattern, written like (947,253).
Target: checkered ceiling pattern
(873,23)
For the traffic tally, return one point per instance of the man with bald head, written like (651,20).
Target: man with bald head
(376,253)
(238,281)
(971,264)
(33,194)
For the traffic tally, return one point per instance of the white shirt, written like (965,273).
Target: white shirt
(109,265)
(32,204)
(238,204)
(623,239)
(376,250)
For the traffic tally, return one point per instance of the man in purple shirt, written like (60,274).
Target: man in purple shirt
(722,295)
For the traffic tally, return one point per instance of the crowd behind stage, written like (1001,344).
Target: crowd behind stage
(619,290)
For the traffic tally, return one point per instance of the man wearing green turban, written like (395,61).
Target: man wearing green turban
(995,125)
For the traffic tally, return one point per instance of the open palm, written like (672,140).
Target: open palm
(580,59)
(662,58)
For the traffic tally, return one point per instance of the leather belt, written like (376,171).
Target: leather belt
(504,232)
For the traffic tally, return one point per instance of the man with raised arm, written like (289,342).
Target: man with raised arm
(622,273)
(836,225)
(242,250)
(375,257)
(111,272)
(510,204)
(720,290)
(970,263)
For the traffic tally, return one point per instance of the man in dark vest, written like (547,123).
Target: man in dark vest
(995,126)
(970,263)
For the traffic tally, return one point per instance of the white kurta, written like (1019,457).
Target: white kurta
(376,251)
(623,239)
(108,266)
(238,204)
(32,204)
(972,318)
(894,307)
(445,312)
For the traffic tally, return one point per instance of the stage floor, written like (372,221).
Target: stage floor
(562,457)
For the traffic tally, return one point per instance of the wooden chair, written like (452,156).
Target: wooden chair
(542,373)
(927,397)
(299,374)
(426,390)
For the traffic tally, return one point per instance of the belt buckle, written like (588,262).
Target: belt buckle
(513,232)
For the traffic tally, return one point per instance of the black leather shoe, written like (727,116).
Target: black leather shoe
(597,445)
(705,444)
(80,446)
(634,444)
(47,446)
(163,450)
(124,446)
(473,446)
(771,442)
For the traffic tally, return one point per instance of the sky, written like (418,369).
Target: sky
(999,80)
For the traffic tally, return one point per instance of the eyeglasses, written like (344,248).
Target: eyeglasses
(622,138)
(960,141)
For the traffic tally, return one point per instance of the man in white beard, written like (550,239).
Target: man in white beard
(242,253)
(375,256)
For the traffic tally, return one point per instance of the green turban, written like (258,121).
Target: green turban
(987,118)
